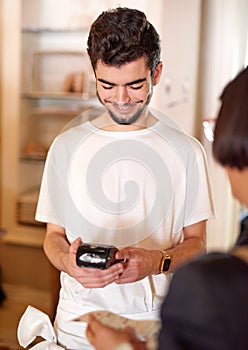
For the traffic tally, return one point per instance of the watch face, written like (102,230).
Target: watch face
(166,266)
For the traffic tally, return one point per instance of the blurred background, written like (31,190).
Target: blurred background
(46,80)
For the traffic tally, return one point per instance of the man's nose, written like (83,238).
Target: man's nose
(121,95)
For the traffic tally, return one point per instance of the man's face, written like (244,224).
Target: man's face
(125,91)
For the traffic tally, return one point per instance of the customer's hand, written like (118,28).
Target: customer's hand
(91,277)
(103,337)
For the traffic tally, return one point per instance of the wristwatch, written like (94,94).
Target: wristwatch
(165,262)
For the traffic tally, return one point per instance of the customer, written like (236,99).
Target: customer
(125,179)
(206,307)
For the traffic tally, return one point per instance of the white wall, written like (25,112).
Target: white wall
(180,32)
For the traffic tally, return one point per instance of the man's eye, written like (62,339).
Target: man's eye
(107,87)
(136,87)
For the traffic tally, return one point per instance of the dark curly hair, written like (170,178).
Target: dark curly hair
(230,146)
(123,35)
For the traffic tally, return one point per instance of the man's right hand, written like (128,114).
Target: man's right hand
(91,277)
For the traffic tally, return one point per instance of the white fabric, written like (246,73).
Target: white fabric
(35,323)
(136,188)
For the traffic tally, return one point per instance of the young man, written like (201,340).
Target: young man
(124,179)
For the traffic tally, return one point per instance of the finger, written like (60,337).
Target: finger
(89,334)
(131,331)
(122,254)
(96,326)
(128,276)
(96,278)
(75,245)
(92,328)
(93,322)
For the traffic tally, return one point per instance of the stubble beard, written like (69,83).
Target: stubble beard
(122,120)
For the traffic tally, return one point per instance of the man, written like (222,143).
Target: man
(124,179)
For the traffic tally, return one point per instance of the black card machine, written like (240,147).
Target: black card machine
(98,256)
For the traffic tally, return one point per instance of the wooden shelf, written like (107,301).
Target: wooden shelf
(57,111)
(25,237)
(55,95)
(49,30)
(33,157)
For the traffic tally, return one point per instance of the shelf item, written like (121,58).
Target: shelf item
(26,207)
(59,74)
(34,151)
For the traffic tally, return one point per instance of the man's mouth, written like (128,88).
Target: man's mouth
(124,108)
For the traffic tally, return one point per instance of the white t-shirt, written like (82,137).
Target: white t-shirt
(136,188)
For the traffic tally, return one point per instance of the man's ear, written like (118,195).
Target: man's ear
(158,73)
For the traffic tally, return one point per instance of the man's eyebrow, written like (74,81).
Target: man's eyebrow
(127,84)
(136,81)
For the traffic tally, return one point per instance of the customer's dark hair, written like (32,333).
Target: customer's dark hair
(230,146)
(122,35)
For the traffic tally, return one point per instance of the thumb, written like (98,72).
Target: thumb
(94,324)
(122,254)
(75,245)
(90,328)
